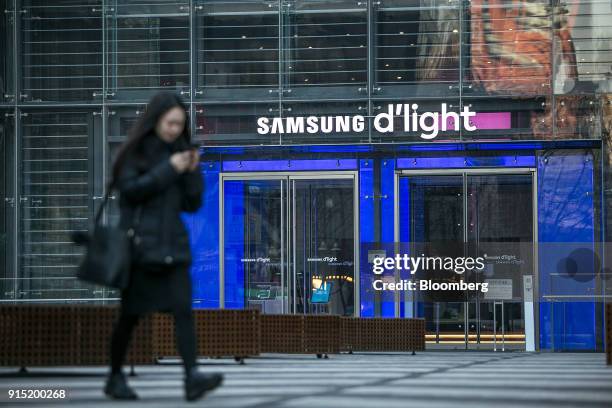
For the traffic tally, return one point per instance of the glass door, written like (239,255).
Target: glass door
(323,258)
(289,243)
(500,221)
(436,226)
(254,252)
(467,213)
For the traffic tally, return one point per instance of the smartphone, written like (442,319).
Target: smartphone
(192,146)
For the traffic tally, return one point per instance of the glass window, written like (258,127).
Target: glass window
(55,200)
(61,50)
(325,48)
(237,50)
(578,116)
(583,47)
(7,47)
(417,48)
(7,204)
(148,48)
(510,48)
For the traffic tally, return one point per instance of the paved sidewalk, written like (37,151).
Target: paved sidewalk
(377,380)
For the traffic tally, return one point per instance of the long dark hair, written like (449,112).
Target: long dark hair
(144,127)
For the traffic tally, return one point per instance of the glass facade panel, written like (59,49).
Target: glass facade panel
(582,49)
(147,48)
(237,50)
(417,48)
(7,205)
(7,51)
(55,200)
(510,47)
(325,49)
(61,50)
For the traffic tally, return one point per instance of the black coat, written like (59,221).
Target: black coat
(160,271)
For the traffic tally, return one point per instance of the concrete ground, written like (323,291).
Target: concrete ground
(377,380)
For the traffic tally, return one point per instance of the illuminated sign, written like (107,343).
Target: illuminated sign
(427,124)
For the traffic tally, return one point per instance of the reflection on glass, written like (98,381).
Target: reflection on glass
(511,47)
(582,50)
(417,46)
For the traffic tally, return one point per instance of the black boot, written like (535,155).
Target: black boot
(118,388)
(198,383)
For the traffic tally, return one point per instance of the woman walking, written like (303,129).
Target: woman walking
(157,175)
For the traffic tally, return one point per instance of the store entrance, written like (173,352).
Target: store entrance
(468,213)
(289,242)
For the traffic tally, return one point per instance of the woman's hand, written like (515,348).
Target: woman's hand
(195,160)
(181,161)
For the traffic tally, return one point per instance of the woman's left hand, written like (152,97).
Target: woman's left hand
(195,160)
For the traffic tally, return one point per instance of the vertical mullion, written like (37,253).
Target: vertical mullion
(466,308)
(460,13)
(371,63)
(17,189)
(192,82)
(15,223)
(281,57)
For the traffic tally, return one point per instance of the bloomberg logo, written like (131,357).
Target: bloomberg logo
(429,124)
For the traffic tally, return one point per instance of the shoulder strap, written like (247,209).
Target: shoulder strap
(109,188)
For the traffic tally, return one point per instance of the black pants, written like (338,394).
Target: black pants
(185,338)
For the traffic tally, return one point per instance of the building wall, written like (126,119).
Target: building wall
(74,75)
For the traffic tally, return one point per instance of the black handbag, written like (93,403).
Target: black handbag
(108,252)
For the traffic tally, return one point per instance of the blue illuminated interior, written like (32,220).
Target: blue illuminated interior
(565,215)
(565,178)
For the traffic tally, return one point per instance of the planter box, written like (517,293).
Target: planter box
(220,333)
(300,334)
(38,335)
(42,335)
(382,334)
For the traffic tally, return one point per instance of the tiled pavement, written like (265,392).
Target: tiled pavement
(377,380)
